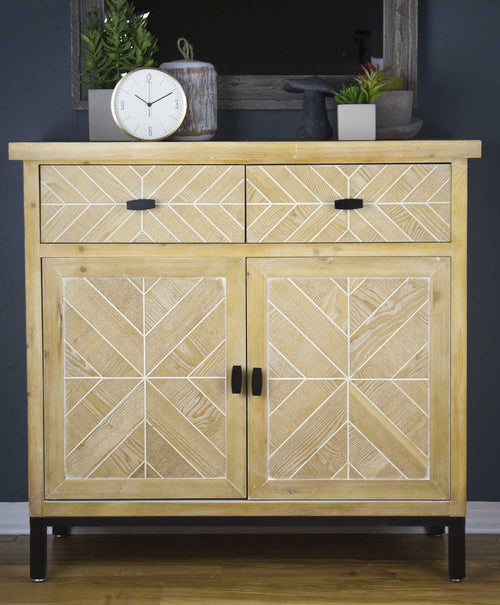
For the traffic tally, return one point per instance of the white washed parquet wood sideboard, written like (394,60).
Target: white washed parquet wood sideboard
(210,336)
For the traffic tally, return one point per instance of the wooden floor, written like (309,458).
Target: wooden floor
(250,569)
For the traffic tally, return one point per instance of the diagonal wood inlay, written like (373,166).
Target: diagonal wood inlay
(402,203)
(380,431)
(296,449)
(193,203)
(356,404)
(145,377)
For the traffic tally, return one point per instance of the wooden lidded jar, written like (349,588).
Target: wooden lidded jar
(199,81)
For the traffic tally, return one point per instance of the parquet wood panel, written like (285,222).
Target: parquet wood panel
(402,203)
(193,203)
(167,401)
(380,343)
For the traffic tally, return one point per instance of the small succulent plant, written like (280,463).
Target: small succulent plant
(349,95)
(115,44)
(368,86)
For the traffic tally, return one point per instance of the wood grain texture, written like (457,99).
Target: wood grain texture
(137,368)
(458,312)
(266,92)
(199,82)
(344,506)
(251,569)
(344,256)
(401,203)
(147,251)
(193,204)
(243,152)
(401,41)
(357,361)
(34,351)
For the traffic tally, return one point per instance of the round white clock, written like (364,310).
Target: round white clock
(149,104)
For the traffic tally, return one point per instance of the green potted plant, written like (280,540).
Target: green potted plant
(356,112)
(112,45)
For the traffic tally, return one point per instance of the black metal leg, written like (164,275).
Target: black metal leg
(435,526)
(38,549)
(456,549)
(436,531)
(61,531)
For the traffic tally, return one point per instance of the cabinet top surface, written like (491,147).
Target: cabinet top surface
(247,152)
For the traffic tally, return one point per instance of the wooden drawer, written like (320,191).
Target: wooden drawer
(402,203)
(81,203)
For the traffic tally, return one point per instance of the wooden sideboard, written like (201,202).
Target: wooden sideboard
(229,330)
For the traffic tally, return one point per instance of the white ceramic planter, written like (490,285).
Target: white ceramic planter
(102,127)
(356,122)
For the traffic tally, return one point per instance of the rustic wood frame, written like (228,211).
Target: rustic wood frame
(266,92)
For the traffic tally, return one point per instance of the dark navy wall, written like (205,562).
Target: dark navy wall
(458,67)
(459,88)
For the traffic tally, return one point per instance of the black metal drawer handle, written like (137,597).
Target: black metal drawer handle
(140,204)
(349,203)
(236,379)
(256,382)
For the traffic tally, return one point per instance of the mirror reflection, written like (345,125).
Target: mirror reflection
(265,37)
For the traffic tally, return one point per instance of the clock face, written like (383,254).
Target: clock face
(148,104)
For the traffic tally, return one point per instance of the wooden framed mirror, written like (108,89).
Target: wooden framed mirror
(394,36)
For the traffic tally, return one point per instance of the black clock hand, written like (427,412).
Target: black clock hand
(149,94)
(167,95)
(148,104)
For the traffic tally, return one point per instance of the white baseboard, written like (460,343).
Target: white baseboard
(482,518)
(14,518)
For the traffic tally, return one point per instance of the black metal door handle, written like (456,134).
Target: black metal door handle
(256,382)
(348,204)
(140,204)
(236,379)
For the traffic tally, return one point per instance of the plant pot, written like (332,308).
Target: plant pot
(102,126)
(356,122)
(394,108)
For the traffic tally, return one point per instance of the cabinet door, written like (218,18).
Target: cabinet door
(137,359)
(356,363)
